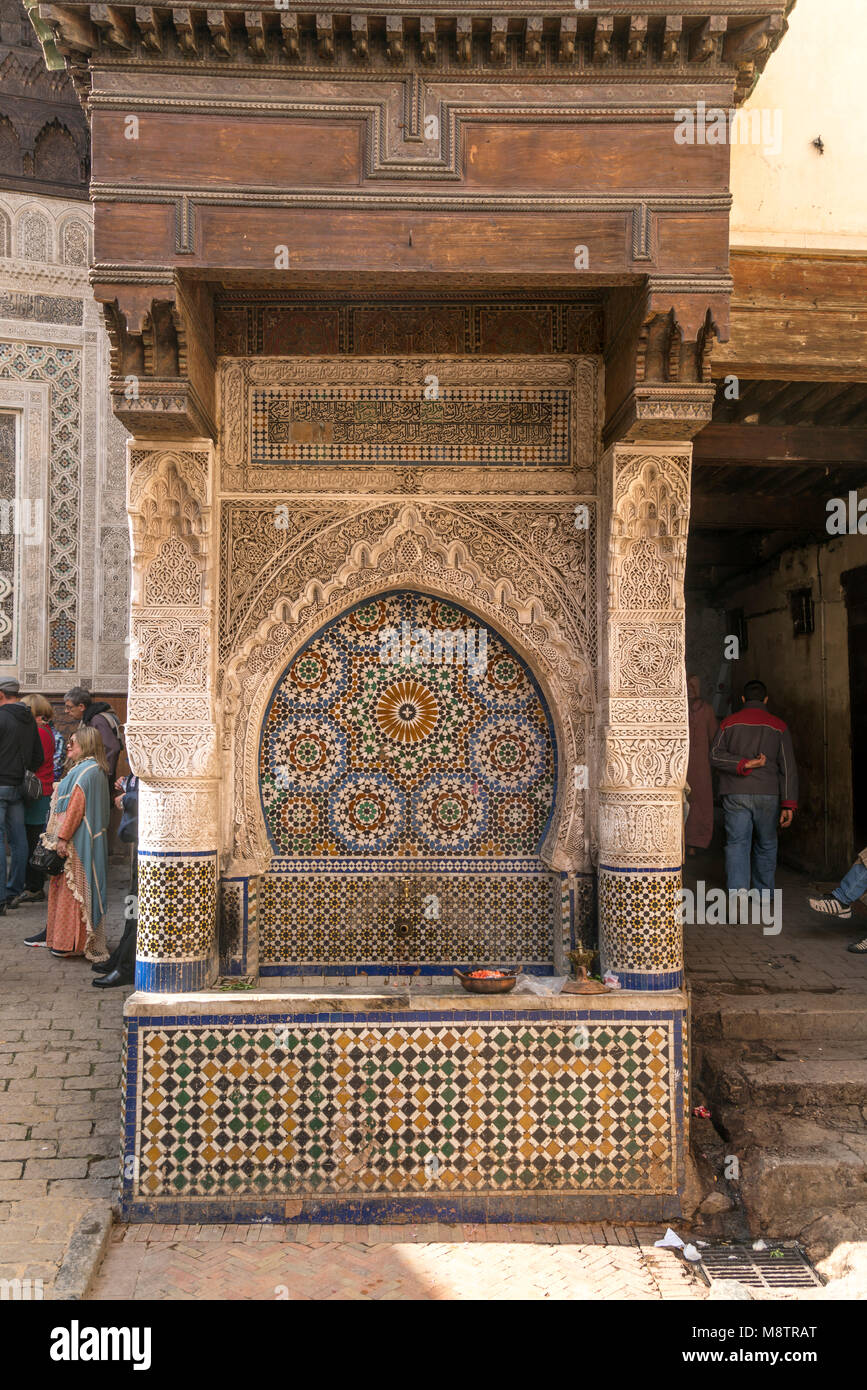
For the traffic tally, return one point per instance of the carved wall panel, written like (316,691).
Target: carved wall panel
(423,414)
(73,625)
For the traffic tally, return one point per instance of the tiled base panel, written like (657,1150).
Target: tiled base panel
(303,1107)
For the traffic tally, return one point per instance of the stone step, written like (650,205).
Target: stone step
(820,1078)
(794,1168)
(780,1017)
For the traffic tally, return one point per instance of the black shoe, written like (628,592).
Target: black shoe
(37,939)
(102,967)
(112,980)
(12,902)
(29,897)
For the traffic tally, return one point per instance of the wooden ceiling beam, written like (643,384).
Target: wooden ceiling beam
(772,446)
(756,512)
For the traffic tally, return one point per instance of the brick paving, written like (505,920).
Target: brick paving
(391,1263)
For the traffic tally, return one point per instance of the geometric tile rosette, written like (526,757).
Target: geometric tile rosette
(638,920)
(413,757)
(177,898)
(426,1105)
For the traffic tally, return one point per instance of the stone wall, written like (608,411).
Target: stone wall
(808,681)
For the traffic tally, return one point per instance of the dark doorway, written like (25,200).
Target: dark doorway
(855,588)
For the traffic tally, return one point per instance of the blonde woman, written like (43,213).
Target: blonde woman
(78,830)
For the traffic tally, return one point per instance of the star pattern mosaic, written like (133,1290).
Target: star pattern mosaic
(638,928)
(418,1104)
(409,756)
(177,900)
(348,919)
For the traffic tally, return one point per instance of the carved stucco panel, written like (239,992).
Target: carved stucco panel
(173,817)
(163,751)
(640,830)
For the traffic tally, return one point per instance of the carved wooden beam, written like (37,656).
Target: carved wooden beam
(568,34)
(360,37)
(150,27)
(428,38)
(749,42)
(185,31)
(602,37)
(394,38)
(220,34)
(254,23)
(671,38)
(499,29)
(114,26)
(289,33)
(533,39)
(637,40)
(464,39)
(706,40)
(74,31)
(325,37)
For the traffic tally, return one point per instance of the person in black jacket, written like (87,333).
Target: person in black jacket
(119,969)
(20,751)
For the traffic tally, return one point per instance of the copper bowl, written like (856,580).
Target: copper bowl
(501,986)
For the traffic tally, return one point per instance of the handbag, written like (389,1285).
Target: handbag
(31,787)
(46,860)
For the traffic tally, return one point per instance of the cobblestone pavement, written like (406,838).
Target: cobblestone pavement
(60,1043)
(398,1263)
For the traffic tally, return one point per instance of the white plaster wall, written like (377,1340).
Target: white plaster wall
(800,199)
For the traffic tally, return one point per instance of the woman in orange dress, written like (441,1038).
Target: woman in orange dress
(78,829)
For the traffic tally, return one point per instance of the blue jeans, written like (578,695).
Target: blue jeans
(12,828)
(853,886)
(751,841)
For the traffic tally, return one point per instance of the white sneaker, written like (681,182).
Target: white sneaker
(831,906)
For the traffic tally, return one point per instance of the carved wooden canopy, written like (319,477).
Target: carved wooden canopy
(736,36)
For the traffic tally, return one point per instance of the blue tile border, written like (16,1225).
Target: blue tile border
(616,869)
(173,976)
(548,1207)
(643,981)
(407,969)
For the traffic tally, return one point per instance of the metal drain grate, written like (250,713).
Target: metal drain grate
(778,1267)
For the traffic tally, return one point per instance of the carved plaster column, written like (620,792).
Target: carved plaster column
(172,729)
(643,712)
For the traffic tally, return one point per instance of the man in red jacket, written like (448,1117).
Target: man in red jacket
(758,783)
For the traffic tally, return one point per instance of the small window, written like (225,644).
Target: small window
(736,626)
(802,610)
